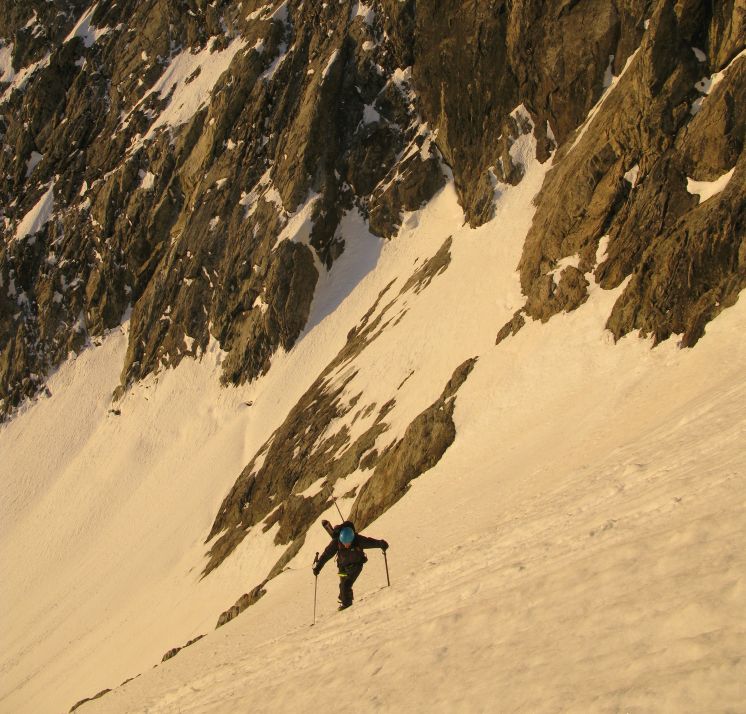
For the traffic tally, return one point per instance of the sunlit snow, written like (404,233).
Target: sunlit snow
(707,189)
(38,216)
(576,549)
(85,30)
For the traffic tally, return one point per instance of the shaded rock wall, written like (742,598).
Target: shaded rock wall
(182,221)
(624,177)
(320,111)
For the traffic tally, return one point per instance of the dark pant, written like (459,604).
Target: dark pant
(348,574)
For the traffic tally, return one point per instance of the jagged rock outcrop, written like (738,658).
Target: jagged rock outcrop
(180,156)
(290,481)
(246,600)
(424,442)
(175,650)
(624,178)
(79,704)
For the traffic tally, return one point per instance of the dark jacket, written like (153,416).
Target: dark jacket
(348,556)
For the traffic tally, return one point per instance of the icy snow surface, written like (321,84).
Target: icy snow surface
(578,548)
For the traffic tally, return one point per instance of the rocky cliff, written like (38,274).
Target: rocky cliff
(189,165)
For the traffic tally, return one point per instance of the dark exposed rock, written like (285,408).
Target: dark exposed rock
(713,141)
(626,178)
(414,182)
(466,87)
(548,297)
(89,699)
(246,600)
(690,273)
(288,291)
(322,111)
(511,327)
(173,652)
(431,268)
(422,446)
(107,691)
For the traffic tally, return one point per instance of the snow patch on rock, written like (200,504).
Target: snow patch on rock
(7,73)
(190,79)
(38,216)
(632,175)
(33,162)
(147,180)
(85,30)
(707,189)
(19,80)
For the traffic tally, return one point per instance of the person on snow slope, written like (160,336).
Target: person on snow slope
(348,547)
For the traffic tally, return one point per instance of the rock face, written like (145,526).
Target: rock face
(623,179)
(178,159)
(290,481)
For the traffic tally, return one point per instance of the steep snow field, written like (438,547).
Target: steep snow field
(580,547)
(582,552)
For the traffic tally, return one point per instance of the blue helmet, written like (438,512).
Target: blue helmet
(346,535)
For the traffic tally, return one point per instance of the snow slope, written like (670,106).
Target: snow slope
(590,561)
(603,571)
(579,547)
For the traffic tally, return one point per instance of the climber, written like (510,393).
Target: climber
(348,547)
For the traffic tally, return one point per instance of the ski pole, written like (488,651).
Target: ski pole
(386,561)
(338,511)
(315,587)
